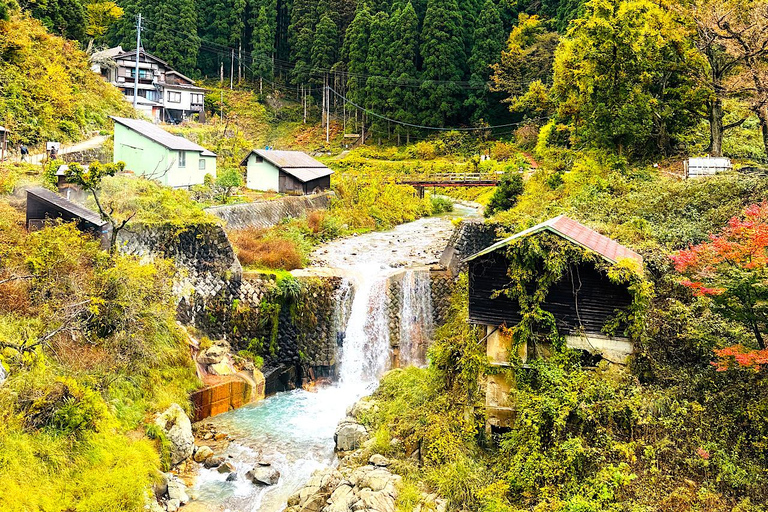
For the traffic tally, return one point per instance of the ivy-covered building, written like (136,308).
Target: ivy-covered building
(557,283)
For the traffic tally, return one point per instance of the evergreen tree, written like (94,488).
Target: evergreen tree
(404,48)
(355,52)
(213,27)
(325,44)
(263,45)
(63,17)
(377,87)
(442,52)
(488,43)
(172,34)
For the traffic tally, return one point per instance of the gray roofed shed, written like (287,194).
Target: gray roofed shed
(296,163)
(162,137)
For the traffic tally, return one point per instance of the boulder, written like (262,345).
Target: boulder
(222,368)
(361,407)
(177,491)
(212,355)
(342,499)
(213,462)
(203,453)
(232,477)
(227,467)
(178,430)
(349,436)
(160,487)
(263,475)
(379,460)
(381,501)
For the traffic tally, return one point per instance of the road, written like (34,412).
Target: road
(85,145)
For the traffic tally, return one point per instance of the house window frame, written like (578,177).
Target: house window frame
(197,99)
(174,94)
(201,164)
(182,159)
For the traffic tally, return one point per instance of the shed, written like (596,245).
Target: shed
(582,302)
(152,152)
(285,172)
(707,166)
(42,205)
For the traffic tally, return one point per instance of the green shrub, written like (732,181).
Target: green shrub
(440,205)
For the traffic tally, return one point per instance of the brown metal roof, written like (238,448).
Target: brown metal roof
(162,137)
(56,200)
(576,233)
(296,163)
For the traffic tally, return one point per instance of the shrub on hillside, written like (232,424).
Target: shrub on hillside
(507,192)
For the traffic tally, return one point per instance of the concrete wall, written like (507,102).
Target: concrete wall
(264,214)
(262,175)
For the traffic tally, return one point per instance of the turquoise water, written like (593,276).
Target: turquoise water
(293,430)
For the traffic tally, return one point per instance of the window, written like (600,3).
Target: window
(143,73)
(201,164)
(174,97)
(197,99)
(182,159)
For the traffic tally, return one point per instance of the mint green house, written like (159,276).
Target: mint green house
(150,151)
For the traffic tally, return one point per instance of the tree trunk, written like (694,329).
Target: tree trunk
(762,114)
(716,128)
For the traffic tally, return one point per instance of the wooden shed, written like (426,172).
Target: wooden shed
(288,172)
(42,205)
(582,302)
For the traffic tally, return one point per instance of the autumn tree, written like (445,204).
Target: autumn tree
(719,75)
(745,34)
(526,63)
(732,270)
(621,78)
(89,179)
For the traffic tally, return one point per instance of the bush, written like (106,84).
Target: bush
(267,248)
(505,197)
(440,205)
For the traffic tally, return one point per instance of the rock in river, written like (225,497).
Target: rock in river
(263,475)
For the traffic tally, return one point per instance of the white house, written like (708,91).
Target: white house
(291,172)
(163,93)
(152,152)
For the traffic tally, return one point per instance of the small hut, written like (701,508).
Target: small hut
(42,205)
(582,303)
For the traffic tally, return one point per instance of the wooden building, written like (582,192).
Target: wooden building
(582,303)
(287,172)
(43,205)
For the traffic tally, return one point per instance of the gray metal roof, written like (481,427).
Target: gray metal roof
(162,137)
(296,163)
(66,205)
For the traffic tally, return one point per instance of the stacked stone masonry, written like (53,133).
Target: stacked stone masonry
(264,214)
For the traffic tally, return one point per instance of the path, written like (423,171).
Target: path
(85,145)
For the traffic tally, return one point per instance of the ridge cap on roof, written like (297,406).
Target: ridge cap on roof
(551,225)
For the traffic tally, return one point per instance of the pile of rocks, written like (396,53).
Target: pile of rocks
(369,488)
(216,359)
(170,494)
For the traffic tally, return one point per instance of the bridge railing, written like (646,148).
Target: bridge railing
(451,177)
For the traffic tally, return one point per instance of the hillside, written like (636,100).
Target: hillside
(47,90)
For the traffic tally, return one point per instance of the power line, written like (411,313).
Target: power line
(424,127)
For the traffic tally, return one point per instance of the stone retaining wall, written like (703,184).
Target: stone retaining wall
(469,237)
(264,214)
(202,252)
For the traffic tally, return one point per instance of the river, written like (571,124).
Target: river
(294,430)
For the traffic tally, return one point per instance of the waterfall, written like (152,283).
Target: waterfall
(342,306)
(416,317)
(3,375)
(366,351)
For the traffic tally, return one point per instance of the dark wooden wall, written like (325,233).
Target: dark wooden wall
(289,184)
(583,300)
(38,211)
(320,184)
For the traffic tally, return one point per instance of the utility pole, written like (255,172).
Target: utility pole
(327,113)
(138,48)
(232,70)
(240,63)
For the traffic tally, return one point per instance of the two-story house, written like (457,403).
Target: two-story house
(164,94)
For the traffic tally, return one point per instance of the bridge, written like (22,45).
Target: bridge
(452,179)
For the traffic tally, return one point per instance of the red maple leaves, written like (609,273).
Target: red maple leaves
(732,269)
